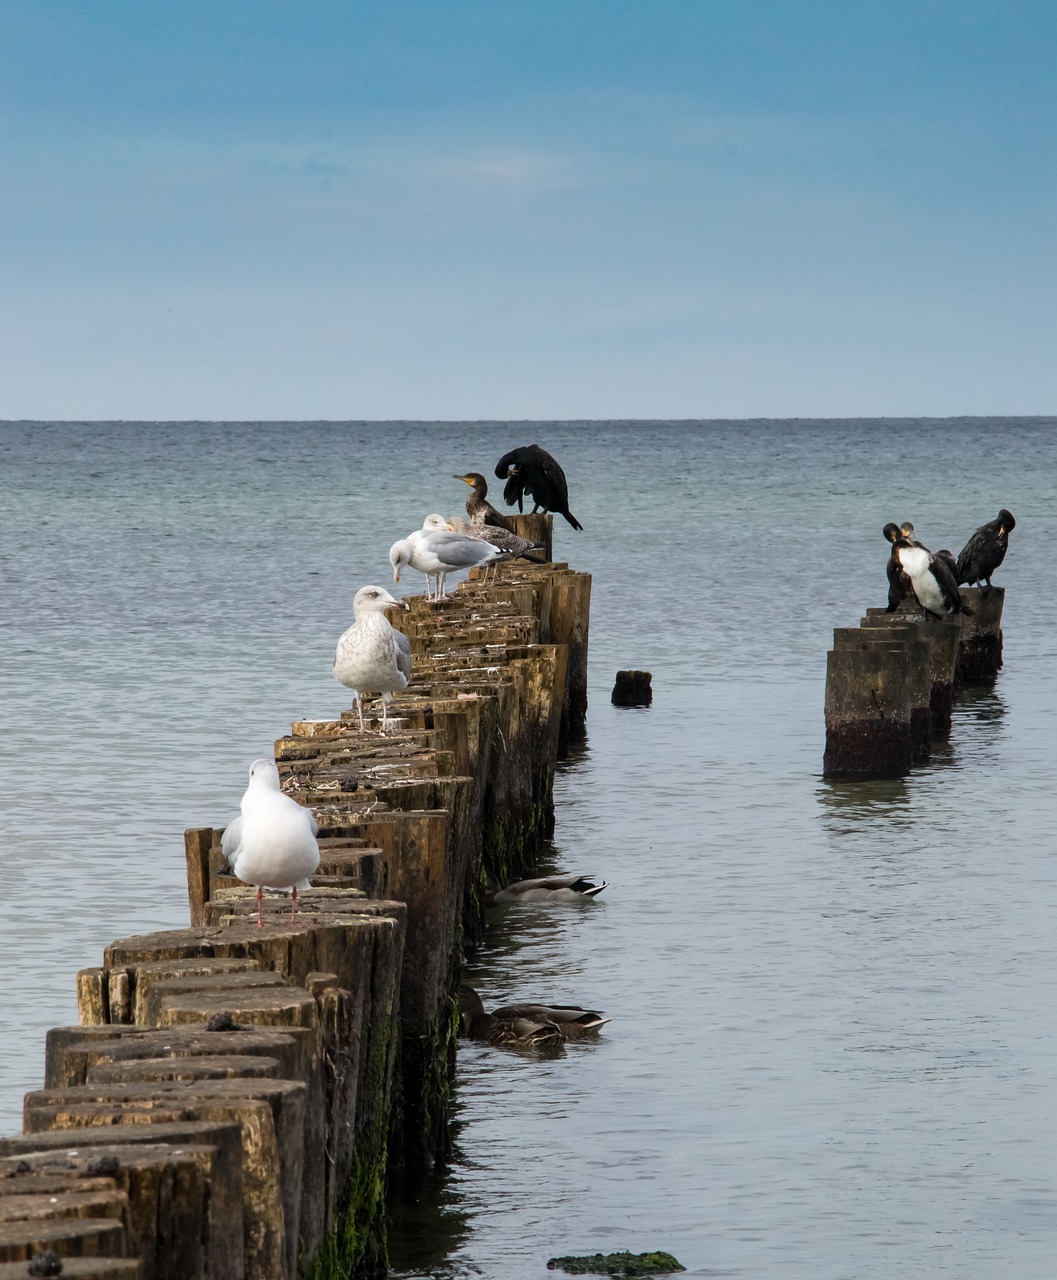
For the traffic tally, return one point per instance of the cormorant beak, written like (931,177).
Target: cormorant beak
(464,479)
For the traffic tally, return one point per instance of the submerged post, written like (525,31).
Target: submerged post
(980,655)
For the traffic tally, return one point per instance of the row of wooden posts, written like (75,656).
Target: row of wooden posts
(891,682)
(234,1097)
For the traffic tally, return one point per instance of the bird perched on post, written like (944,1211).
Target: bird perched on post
(932,583)
(985,550)
(478,508)
(501,538)
(272,843)
(372,656)
(898,581)
(440,552)
(532,470)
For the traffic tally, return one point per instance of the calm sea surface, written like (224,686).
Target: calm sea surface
(834,1041)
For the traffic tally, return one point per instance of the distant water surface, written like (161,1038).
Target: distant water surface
(833,1046)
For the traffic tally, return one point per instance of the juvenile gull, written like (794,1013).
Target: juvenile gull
(438,553)
(372,656)
(501,538)
(272,843)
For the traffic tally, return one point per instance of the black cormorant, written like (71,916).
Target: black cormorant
(478,508)
(985,550)
(898,581)
(532,470)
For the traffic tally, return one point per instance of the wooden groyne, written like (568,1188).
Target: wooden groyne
(234,1097)
(891,682)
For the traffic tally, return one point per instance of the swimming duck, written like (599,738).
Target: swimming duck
(932,583)
(985,550)
(478,508)
(548,889)
(526,1023)
(532,470)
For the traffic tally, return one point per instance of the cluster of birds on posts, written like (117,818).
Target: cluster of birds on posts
(273,842)
(932,578)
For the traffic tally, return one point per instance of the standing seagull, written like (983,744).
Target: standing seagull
(501,538)
(372,656)
(440,553)
(532,470)
(985,550)
(478,508)
(931,581)
(272,843)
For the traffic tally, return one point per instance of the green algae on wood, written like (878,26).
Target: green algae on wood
(617,1264)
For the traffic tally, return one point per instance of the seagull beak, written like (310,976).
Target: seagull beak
(396,574)
(402,604)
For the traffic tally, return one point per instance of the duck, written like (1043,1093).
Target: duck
(478,508)
(532,470)
(932,583)
(548,889)
(526,1023)
(372,656)
(272,843)
(985,551)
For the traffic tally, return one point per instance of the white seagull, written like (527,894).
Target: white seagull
(372,656)
(272,843)
(438,552)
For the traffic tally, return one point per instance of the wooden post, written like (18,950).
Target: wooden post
(980,655)
(867,706)
(197,843)
(897,626)
(943,639)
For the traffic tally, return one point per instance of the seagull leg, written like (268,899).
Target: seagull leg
(293,904)
(260,902)
(359,707)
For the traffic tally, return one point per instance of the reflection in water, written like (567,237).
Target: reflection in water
(426,1222)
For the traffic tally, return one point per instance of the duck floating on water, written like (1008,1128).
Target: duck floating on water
(526,1023)
(985,550)
(549,889)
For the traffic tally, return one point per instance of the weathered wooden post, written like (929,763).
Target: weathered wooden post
(632,689)
(897,626)
(868,685)
(980,655)
(943,639)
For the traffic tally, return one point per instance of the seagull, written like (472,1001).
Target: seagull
(478,508)
(985,550)
(501,538)
(438,553)
(372,656)
(532,470)
(272,843)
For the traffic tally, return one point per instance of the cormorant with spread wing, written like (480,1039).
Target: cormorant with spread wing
(532,470)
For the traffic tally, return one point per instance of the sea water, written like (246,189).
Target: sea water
(832,1050)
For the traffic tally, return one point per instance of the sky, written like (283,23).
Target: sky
(475,209)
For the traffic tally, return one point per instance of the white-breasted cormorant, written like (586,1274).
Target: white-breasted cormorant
(985,550)
(532,470)
(931,581)
(478,508)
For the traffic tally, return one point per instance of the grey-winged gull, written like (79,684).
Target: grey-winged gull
(372,656)
(438,553)
(272,843)
(501,538)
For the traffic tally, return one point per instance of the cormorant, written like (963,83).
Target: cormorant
(985,550)
(931,582)
(532,470)
(898,582)
(478,508)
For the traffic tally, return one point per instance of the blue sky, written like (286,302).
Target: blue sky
(555,209)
